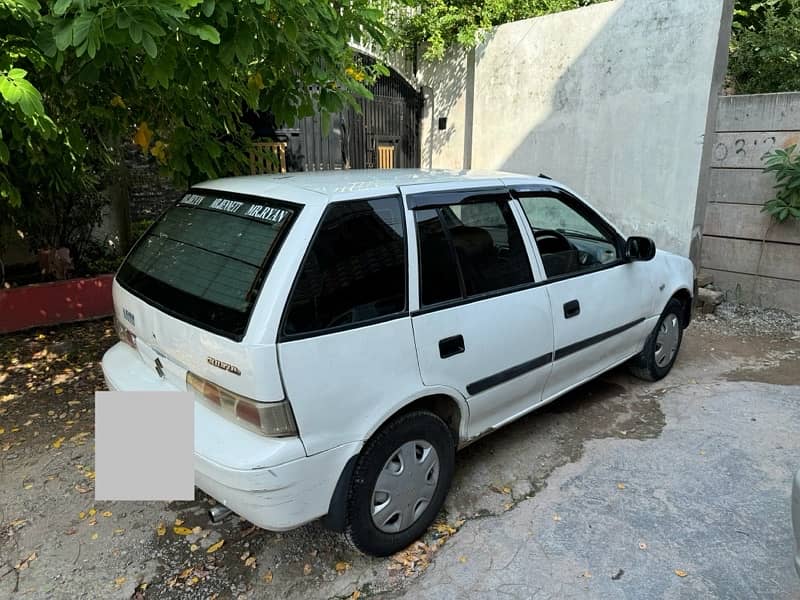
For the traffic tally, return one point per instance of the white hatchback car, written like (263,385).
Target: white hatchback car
(345,332)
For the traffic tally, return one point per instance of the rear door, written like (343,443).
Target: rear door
(481,325)
(189,286)
(600,301)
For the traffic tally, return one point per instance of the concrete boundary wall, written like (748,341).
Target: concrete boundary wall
(752,258)
(612,99)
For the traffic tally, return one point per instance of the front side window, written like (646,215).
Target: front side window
(354,271)
(205,259)
(568,241)
(477,245)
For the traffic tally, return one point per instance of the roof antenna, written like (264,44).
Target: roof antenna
(543,176)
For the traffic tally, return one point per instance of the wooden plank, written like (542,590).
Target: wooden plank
(763,291)
(747,221)
(741,186)
(759,112)
(745,150)
(744,256)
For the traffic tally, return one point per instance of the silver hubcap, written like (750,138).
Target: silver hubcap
(667,340)
(405,486)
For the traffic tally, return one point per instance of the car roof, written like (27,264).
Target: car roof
(321,187)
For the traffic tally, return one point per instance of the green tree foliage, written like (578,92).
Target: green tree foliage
(765,47)
(78,78)
(436,24)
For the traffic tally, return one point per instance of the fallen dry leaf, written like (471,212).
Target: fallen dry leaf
(24,564)
(106,513)
(462,559)
(213,547)
(92,512)
(355,595)
(680,573)
(250,562)
(178,521)
(119,581)
(342,566)
(556,518)
(94,536)
(81,515)
(58,442)
(586,575)
(181,530)
(306,569)
(267,577)
(193,548)
(161,530)
(621,486)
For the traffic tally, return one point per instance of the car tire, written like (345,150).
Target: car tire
(662,345)
(412,452)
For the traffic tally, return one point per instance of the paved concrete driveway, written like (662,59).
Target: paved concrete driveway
(678,489)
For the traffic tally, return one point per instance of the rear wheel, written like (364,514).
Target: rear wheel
(399,484)
(661,348)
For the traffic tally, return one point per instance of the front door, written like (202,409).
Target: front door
(482,327)
(599,300)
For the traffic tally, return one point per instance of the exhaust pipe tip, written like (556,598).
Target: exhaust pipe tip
(218,513)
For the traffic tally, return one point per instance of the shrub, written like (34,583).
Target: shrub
(765,47)
(786,166)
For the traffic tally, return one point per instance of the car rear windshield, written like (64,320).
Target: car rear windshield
(205,258)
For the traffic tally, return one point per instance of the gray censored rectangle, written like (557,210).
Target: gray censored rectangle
(144,446)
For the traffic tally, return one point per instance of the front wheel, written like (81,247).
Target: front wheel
(662,345)
(399,484)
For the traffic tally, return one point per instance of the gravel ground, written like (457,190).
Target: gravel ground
(56,542)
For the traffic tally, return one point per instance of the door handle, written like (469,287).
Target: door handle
(572,309)
(451,346)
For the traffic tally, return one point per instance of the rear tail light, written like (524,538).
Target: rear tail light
(125,335)
(273,419)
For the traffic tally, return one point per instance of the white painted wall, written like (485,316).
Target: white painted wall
(611,99)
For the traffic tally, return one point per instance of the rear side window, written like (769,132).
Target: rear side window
(354,271)
(477,244)
(205,259)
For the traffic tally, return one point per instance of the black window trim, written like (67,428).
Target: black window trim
(442,198)
(468,197)
(293,337)
(263,271)
(576,204)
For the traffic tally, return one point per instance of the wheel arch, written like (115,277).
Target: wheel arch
(443,402)
(684,296)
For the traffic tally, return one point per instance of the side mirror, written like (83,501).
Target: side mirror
(639,248)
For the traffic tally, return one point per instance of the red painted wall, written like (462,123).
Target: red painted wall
(52,303)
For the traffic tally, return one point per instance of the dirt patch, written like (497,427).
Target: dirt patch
(47,381)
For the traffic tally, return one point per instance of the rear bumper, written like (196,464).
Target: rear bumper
(796,520)
(280,497)
(268,481)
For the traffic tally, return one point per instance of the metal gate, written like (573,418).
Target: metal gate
(385,134)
